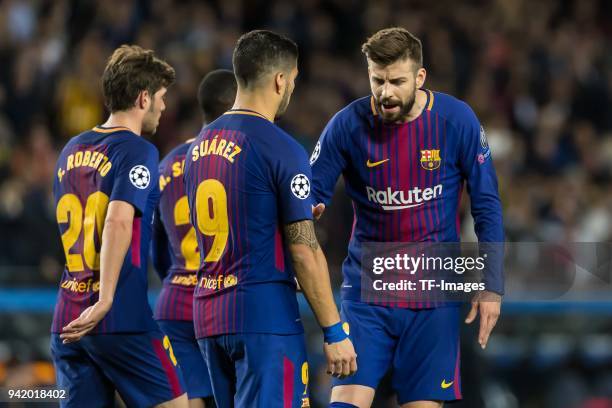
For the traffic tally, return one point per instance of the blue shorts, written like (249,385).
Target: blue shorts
(140,366)
(187,352)
(257,370)
(421,346)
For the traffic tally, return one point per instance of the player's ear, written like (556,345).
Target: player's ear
(143,100)
(280,80)
(421,75)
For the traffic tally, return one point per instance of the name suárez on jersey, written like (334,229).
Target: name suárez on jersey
(398,200)
(217,146)
(86,158)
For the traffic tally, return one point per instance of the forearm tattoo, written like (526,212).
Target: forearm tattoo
(302,232)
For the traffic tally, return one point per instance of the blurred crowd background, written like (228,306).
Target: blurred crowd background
(537,73)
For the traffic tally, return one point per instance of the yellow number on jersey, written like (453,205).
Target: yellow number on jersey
(95,213)
(211,212)
(305,376)
(69,210)
(168,347)
(189,244)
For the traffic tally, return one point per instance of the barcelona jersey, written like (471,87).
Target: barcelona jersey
(175,249)
(245,179)
(95,168)
(405,180)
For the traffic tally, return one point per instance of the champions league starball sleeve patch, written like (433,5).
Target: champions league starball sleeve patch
(140,177)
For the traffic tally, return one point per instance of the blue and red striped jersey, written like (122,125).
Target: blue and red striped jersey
(245,179)
(405,180)
(93,169)
(175,249)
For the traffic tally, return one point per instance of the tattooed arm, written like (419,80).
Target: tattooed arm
(311,271)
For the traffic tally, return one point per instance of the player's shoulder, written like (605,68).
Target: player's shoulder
(116,139)
(130,145)
(260,133)
(283,141)
(452,109)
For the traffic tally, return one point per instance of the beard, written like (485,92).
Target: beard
(404,108)
(284,103)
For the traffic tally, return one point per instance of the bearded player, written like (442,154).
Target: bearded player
(405,153)
(175,249)
(104,336)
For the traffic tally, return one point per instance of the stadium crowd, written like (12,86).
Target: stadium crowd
(537,74)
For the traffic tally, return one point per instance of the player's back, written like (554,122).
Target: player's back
(179,240)
(93,169)
(245,178)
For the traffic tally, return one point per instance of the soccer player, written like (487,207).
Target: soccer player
(248,185)
(104,337)
(405,153)
(175,249)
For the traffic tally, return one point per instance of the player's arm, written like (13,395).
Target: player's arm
(291,175)
(479,172)
(160,253)
(312,274)
(116,239)
(311,271)
(328,160)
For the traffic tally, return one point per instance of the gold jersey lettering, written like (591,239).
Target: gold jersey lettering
(87,158)
(217,146)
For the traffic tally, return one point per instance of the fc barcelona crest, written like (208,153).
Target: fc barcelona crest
(430,159)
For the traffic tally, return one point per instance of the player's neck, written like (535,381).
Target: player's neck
(124,119)
(257,102)
(417,108)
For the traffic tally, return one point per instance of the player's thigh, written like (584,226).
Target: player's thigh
(271,371)
(423,404)
(360,396)
(76,373)
(190,359)
(179,402)
(426,361)
(221,370)
(374,345)
(142,366)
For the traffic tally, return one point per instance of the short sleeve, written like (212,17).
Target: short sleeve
(293,180)
(136,174)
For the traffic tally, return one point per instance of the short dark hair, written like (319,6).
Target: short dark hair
(131,70)
(260,51)
(392,44)
(216,93)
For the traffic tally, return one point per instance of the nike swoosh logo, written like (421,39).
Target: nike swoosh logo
(378,163)
(445,385)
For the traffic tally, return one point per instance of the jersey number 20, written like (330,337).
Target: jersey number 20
(69,210)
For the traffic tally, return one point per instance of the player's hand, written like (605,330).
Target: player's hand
(341,358)
(317,211)
(85,322)
(489,305)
